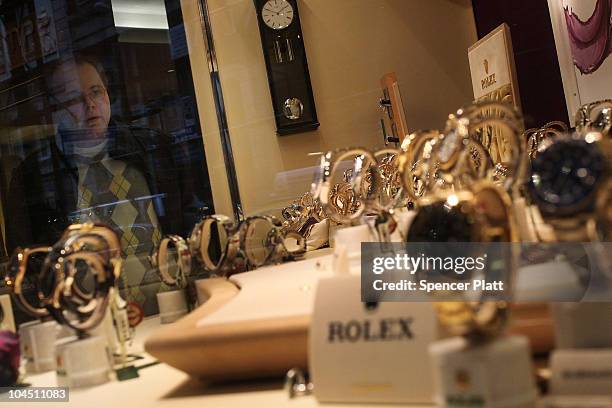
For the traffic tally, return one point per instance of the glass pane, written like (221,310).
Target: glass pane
(100,123)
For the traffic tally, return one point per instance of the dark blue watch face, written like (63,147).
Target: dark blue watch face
(565,175)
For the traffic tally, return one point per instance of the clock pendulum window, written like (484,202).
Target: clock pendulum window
(287,66)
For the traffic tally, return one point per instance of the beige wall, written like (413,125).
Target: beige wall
(350,44)
(206,107)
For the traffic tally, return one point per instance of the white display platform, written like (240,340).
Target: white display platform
(164,386)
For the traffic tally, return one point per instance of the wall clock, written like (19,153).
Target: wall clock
(283,47)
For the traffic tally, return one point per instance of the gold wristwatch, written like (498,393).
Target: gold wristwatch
(414,164)
(481,213)
(495,127)
(91,248)
(570,184)
(345,202)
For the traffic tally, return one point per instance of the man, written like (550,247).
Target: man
(96,169)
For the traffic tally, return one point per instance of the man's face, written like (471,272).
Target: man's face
(90,110)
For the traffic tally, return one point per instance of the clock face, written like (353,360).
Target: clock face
(277,14)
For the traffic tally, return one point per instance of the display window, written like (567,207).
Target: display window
(378,201)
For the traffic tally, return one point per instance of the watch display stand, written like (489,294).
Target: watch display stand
(115,329)
(252,325)
(580,364)
(106,329)
(495,373)
(349,240)
(37,341)
(582,325)
(82,362)
(547,280)
(172,305)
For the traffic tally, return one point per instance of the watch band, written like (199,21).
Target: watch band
(473,319)
(479,123)
(391,191)
(258,254)
(414,165)
(94,247)
(159,259)
(536,136)
(16,275)
(302,211)
(364,182)
(71,310)
(585,219)
(595,116)
(300,246)
(201,239)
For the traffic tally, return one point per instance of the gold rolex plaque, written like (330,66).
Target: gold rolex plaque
(492,67)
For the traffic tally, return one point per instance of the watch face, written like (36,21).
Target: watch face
(277,14)
(565,176)
(439,222)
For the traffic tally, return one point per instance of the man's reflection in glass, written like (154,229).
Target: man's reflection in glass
(97,169)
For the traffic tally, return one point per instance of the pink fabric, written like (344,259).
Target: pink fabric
(9,358)
(590,40)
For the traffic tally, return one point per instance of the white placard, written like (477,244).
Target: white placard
(581,372)
(580,401)
(363,355)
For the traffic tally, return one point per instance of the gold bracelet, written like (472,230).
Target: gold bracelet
(486,210)
(16,274)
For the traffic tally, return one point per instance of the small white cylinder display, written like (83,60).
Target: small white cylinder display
(495,374)
(582,325)
(82,362)
(36,341)
(349,239)
(172,305)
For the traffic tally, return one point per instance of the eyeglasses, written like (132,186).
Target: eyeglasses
(96,93)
